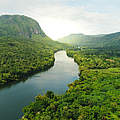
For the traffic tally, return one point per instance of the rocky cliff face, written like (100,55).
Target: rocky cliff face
(19,25)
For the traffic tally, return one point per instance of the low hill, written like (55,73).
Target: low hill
(103,40)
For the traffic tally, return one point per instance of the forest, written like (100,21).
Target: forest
(21,57)
(94,96)
(111,40)
(26,49)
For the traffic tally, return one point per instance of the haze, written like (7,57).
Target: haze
(59,18)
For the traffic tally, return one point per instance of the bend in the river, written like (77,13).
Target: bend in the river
(14,98)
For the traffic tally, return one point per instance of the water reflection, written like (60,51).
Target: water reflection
(14,97)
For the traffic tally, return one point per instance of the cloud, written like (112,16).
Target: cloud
(62,17)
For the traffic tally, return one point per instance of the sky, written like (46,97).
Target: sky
(60,18)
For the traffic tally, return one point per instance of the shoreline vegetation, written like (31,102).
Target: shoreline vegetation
(94,96)
(26,49)
(23,57)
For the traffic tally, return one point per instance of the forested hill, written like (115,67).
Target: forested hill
(103,40)
(24,48)
(19,25)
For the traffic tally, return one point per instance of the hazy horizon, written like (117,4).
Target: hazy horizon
(59,18)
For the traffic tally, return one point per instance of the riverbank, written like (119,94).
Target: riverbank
(44,65)
(55,79)
(95,96)
(23,57)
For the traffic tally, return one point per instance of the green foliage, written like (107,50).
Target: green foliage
(95,96)
(19,25)
(93,41)
(25,49)
(22,57)
(50,94)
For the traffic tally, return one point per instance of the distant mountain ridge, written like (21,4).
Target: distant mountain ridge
(19,25)
(102,40)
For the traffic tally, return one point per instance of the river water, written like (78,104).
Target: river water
(13,98)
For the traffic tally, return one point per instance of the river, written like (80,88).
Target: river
(13,98)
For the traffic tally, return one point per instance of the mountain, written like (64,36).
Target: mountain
(102,40)
(24,48)
(19,25)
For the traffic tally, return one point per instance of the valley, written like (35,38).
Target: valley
(36,70)
(23,56)
(94,96)
(14,97)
